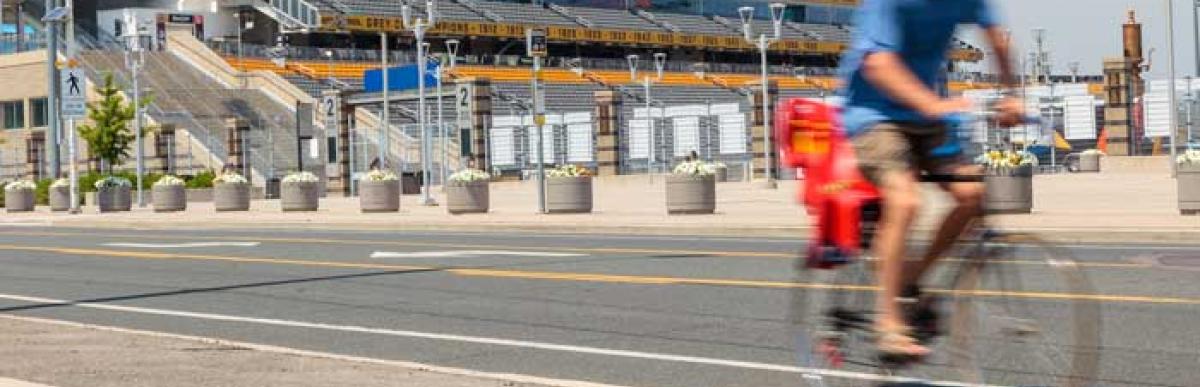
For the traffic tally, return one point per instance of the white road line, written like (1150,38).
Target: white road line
(180,245)
(6,382)
(469,254)
(485,341)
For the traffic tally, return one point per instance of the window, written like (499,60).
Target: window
(331,145)
(13,113)
(41,114)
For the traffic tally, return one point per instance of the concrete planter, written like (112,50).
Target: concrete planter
(114,199)
(468,198)
(169,198)
(1188,183)
(60,199)
(231,197)
(1009,191)
(691,194)
(569,195)
(1089,162)
(379,196)
(19,200)
(300,196)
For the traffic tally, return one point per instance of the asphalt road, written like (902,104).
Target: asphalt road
(626,310)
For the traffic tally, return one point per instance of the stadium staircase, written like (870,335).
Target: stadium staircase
(191,151)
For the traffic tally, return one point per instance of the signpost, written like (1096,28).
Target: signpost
(536,47)
(74,107)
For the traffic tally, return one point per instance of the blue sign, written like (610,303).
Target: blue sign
(399,78)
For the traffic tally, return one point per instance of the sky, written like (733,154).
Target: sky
(1087,31)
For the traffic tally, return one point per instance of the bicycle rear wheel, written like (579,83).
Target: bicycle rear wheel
(1021,315)
(833,314)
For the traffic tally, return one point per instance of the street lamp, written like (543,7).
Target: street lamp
(135,60)
(763,43)
(452,57)
(419,26)
(660,61)
(1171,70)
(242,26)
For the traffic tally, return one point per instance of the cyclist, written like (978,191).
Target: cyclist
(899,124)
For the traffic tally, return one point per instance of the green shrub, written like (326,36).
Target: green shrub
(201,180)
(42,192)
(87,181)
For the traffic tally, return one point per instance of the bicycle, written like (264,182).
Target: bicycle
(1011,311)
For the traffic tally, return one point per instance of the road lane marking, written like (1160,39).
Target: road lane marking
(180,245)
(469,254)
(580,250)
(481,340)
(592,277)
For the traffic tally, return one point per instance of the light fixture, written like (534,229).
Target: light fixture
(633,66)
(747,15)
(431,12)
(777,18)
(660,62)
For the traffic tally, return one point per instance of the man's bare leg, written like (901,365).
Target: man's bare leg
(968,197)
(901,201)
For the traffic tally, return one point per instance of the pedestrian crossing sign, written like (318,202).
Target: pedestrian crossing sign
(74,93)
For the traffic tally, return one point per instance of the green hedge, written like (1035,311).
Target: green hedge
(201,180)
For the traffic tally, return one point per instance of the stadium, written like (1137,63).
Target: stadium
(627,86)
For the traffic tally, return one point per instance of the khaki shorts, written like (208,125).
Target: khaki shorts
(902,147)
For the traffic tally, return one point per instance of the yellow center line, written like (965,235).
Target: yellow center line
(584,250)
(587,277)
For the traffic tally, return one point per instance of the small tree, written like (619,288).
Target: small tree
(108,135)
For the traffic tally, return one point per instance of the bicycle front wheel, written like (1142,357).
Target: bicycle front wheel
(1023,315)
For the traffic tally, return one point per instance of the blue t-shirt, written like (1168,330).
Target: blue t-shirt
(920,31)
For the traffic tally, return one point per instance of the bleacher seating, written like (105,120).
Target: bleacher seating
(615,19)
(527,13)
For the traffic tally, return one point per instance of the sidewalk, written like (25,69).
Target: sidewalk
(1067,207)
(69,355)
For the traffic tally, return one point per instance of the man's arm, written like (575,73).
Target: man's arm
(887,72)
(1010,110)
(1002,47)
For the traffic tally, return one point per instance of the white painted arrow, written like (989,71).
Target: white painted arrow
(181,245)
(468,254)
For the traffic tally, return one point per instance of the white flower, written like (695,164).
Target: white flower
(695,168)
(168,181)
(1006,159)
(61,183)
(379,175)
(1191,157)
(112,182)
(569,170)
(230,178)
(20,184)
(469,175)
(301,177)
